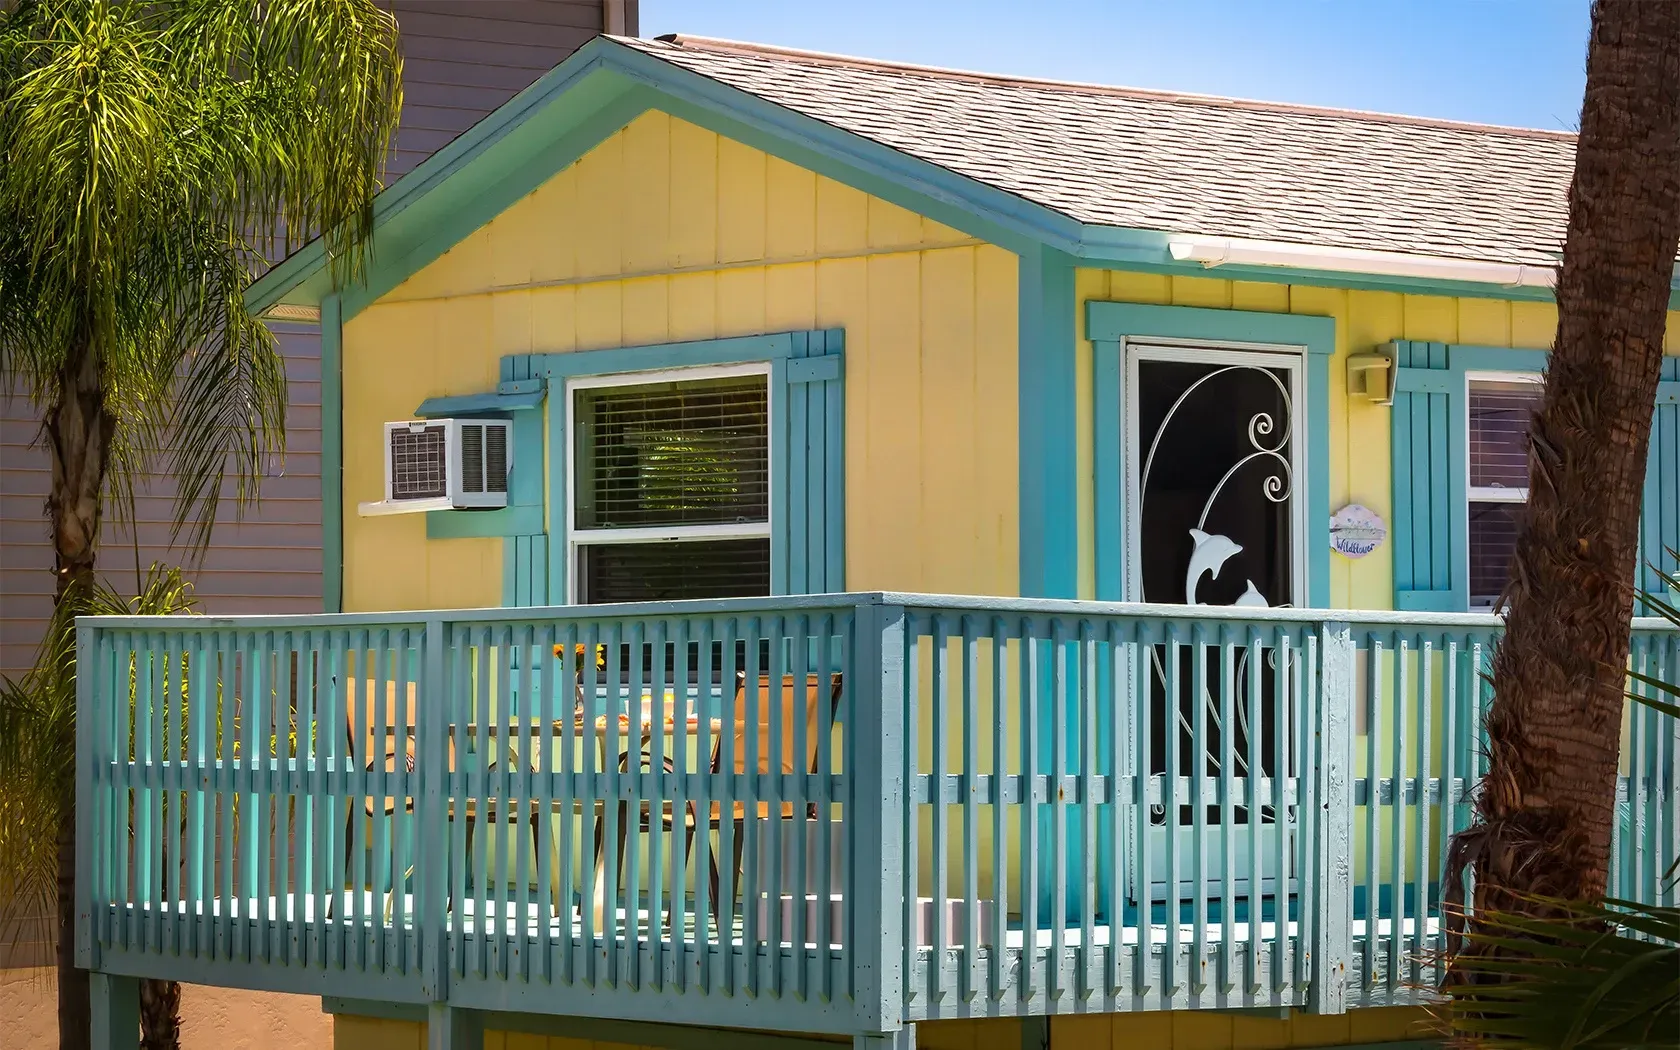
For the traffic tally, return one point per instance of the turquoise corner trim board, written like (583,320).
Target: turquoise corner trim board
(1109,324)
(332,455)
(1049,523)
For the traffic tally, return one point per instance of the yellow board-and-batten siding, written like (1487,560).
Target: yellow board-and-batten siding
(667,232)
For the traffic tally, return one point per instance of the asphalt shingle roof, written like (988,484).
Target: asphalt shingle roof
(1183,163)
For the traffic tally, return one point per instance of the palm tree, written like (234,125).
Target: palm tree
(153,155)
(1581,975)
(1544,809)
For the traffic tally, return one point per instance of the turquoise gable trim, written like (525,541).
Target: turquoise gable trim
(605,85)
(332,456)
(1109,324)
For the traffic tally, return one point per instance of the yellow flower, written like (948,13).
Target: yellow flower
(578,651)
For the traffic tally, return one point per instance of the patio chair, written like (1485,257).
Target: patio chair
(819,719)
(362,732)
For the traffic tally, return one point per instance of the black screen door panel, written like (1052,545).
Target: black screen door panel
(1214,518)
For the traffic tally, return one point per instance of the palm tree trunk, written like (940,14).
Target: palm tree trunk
(1546,806)
(160,1015)
(78,430)
(74,1030)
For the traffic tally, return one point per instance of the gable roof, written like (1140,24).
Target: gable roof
(1114,174)
(1183,163)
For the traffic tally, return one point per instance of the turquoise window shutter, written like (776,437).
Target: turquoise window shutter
(807,455)
(1660,523)
(1429,533)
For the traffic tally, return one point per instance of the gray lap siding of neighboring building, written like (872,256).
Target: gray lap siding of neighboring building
(461,60)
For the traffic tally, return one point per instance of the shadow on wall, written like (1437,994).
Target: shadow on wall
(212,1018)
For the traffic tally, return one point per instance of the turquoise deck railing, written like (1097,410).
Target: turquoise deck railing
(831,813)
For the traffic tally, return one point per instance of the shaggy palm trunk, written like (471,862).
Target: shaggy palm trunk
(1546,806)
(78,436)
(78,431)
(73,1014)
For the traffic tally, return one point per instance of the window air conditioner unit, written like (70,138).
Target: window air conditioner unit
(444,464)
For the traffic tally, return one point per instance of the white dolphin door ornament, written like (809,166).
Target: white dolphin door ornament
(1210,554)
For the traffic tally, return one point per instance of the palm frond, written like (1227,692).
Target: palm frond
(1585,977)
(153,156)
(38,745)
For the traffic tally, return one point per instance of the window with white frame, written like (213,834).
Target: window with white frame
(670,485)
(1500,408)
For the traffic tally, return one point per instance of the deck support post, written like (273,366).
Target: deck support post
(452,1028)
(903,1039)
(115,1003)
(1332,947)
(876,876)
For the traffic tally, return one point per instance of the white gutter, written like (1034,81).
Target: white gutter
(1214,251)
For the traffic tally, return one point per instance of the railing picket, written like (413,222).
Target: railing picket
(1421,896)
(1396,938)
(1142,707)
(1283,662)
(519,818)
(939,842)
(802,837)
(1373,806)
(1087,795)
(1060,709)
(1198,810)
(1118,768)
(1227,810)
(970,715)
(833,658)
(908,902)
(1031,977)
(544,765)
(1000,812)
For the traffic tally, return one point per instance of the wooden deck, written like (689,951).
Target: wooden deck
(1002,807)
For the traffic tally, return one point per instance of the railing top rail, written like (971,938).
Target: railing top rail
(1361,619)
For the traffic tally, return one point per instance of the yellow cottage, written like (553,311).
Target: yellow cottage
(884,553)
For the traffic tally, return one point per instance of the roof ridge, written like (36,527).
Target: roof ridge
(777,51)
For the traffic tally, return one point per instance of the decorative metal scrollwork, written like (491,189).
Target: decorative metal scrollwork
(1212,550)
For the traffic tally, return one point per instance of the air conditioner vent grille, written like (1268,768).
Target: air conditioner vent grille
(418,463)
(496,459)
(472,458)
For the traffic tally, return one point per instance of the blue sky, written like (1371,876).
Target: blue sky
(1499,61)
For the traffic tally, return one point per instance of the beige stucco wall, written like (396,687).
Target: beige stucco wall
(211,1018)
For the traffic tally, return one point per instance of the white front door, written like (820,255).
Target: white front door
(1214,474)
